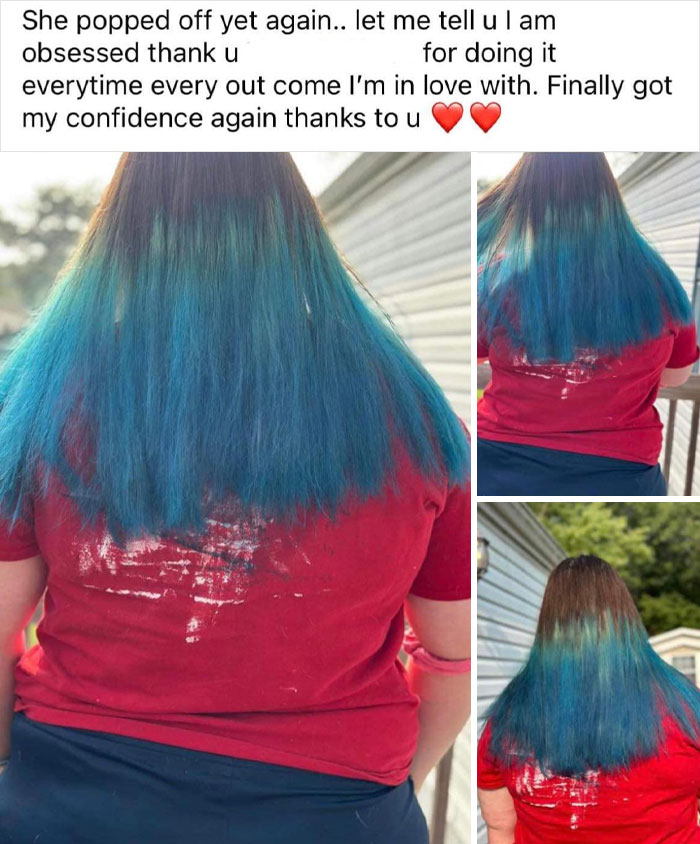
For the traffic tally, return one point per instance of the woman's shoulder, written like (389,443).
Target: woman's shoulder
(676,737)
(435,485)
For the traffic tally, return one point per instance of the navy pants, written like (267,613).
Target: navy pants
(514,469)
(68,786)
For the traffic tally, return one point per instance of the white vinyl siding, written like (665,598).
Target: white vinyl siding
(662,193)
(521,555)
(402,220)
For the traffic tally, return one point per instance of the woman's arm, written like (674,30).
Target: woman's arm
(498,812)
(22,584)
(676,377)
(443,630)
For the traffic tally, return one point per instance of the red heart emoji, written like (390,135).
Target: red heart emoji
(485,116)
(448,116)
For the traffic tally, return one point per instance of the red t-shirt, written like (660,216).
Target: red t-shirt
(593,405)
(256,641)
(655,800)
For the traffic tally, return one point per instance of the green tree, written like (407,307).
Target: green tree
(654,546)
(39,244)
(593,528)
(672,531)
(664,612)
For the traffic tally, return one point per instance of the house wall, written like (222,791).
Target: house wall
(521,554)
(662,193)
(403,222)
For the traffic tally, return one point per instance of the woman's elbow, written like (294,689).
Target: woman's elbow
(676,377)
(22,584)
(502,820)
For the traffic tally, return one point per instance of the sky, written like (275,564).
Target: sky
(21,173)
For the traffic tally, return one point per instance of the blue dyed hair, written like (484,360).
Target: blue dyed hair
(562,268)
(593,694)
(206,342)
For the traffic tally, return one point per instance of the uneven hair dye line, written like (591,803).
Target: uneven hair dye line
(562,268)
(593,694)
(206,342)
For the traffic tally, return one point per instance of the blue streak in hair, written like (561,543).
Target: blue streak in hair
(591,697)
(231,357)
(585,280)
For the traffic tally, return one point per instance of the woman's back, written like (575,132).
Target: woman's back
(596,739)
(229,472)
(256,639)
(595,404)
(579,317)
(655,800)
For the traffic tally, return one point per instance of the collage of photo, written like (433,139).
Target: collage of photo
(268,419)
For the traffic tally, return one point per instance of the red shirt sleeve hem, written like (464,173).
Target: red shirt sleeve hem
(488,774)
(15,553)
(681,365)
(489,784)
(442,595)
(685,347)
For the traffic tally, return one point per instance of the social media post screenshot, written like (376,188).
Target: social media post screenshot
(314,320)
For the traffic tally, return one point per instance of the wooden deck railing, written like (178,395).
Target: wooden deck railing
(441,791)
(689,392)
(483,375)
(441,797)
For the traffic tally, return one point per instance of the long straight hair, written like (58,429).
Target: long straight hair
(593,694)
(563,269)
(206,342)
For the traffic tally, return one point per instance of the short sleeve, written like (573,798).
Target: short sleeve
(18,542)
(488,774)
(685,348)
(445,573)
